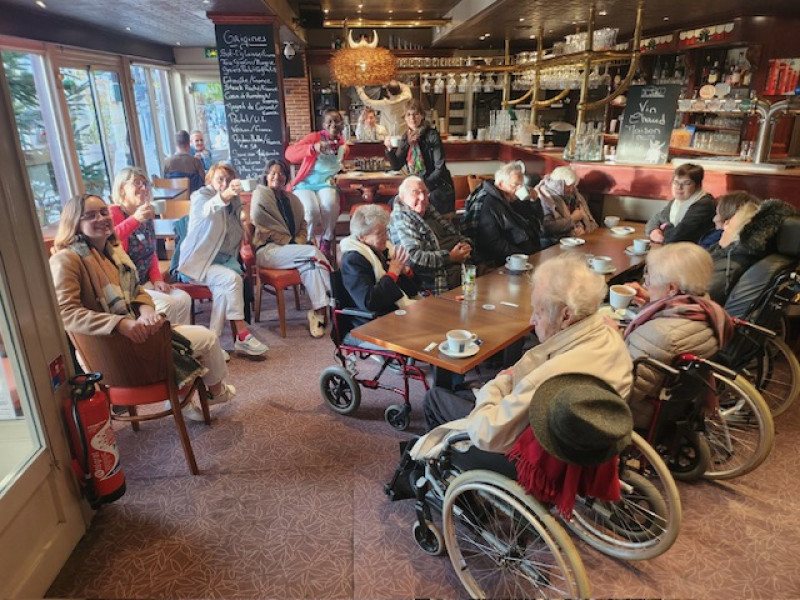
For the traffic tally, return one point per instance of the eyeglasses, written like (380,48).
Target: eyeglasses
(683,183)
(140,183)
(93,214)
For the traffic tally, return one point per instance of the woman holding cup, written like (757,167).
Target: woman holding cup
(132,214)
(565,210)
(677,317)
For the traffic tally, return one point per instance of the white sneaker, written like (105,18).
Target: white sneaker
(316,324)
(250,345)
(224,396)
(191,412)
(225,355)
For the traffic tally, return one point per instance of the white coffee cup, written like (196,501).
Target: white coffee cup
(517,262)
(159,206)
(459,339)
(641,245)
(611,221)
(620,296)
(601,263)
(248,185)
(394,141)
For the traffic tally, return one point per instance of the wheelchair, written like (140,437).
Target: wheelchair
(504,543)
(707,420)
(759,353)
(340,385)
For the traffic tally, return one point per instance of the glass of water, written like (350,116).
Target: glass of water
(468,285)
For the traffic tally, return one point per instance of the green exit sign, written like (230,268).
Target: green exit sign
(211,52)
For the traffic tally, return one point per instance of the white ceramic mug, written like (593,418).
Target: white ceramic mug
(159,206)
(620,296)
(459,339)
(611,221)
(601,263)
(641,245)
(394,141)
(517,262)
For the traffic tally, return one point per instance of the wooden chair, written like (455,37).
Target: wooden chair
(461,189)
(274,281)
(138,374)
(179,205)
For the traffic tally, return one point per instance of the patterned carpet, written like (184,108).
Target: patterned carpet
(289,504)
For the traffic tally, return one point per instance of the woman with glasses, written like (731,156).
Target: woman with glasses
(421,153)
(500,219)
(98,293)
(677,317)
(690,213)
(565,211)
(133,215)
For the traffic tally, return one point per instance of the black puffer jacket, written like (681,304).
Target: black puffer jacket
(756,240)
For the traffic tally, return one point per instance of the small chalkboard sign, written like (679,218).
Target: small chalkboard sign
(249,74)
(647,123)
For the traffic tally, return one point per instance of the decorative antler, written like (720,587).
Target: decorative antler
(363,43)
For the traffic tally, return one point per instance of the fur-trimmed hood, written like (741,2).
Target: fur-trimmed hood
(757,236)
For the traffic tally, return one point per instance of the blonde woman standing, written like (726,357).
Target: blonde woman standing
(133,215)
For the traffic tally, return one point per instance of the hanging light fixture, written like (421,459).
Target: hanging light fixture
(363,63)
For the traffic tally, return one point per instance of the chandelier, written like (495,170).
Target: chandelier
(363,63)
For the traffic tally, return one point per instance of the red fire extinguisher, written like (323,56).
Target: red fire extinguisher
(94,447)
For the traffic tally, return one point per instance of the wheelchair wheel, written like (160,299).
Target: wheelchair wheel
(690,458)
(777,376)
(504,544)
(429,538)
(740,433)
(340,390)
(397,416)
(646,520)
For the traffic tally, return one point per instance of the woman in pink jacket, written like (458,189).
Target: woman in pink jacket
(321,155)
(133,226)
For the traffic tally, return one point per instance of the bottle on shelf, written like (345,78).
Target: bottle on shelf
(704,74)
(657,71)
(678,73)
(713,74)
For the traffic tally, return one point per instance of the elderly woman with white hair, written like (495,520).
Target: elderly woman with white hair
(573,339)
(565,210)
(499,220)
(678,317)
(133,215)
(374,272)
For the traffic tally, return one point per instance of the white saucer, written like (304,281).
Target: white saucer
(607,271)
(622,230)
(622,314)
(632,252)
(471,350)
(528,267)
(571,242)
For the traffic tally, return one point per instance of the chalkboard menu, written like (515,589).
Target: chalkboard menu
(647,123)
(249,74)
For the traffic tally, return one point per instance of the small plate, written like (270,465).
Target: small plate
(607,271)
(471,350)
(632,252)
(707,92)
(528,267)
(623,314)
(622,230)
(571,242)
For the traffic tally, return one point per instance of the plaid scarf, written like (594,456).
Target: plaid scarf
(416,166)
(684,306)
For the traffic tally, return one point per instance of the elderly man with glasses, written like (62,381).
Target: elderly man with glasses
(500,217)
(689,215)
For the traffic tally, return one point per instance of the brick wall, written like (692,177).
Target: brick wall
(298,107)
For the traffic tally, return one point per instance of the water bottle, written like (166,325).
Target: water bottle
(468,285)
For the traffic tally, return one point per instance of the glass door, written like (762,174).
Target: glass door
(99,125)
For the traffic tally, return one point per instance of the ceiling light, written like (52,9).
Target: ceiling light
(531,37)
(521,19)
(666,18)
(487,34)
(177,43)
(127,29)
(327,10)
(360,6)
(41,4)
(603,13)
(362,63)
(390,11)
(419,12)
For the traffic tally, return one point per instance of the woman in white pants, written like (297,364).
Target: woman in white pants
(281,240)
(133,225)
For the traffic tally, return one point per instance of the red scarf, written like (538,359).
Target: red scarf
(694,308)
(332,144)
(416,165)
(553,481)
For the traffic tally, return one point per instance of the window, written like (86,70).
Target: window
(99,125)
(156,123)
(210,117)
(37,132)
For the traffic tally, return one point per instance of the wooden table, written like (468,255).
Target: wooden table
(167,193)
(368,182)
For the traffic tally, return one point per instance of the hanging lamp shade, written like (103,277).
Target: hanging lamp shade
(363,63)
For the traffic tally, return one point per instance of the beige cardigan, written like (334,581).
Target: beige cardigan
(591,347)
(268,221)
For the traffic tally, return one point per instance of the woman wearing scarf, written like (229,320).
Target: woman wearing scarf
(690,213)
(133,226)
(374,272)
(321,155)
(98,293)
(677,318)
(565,210)
(280,240)
(421,152)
